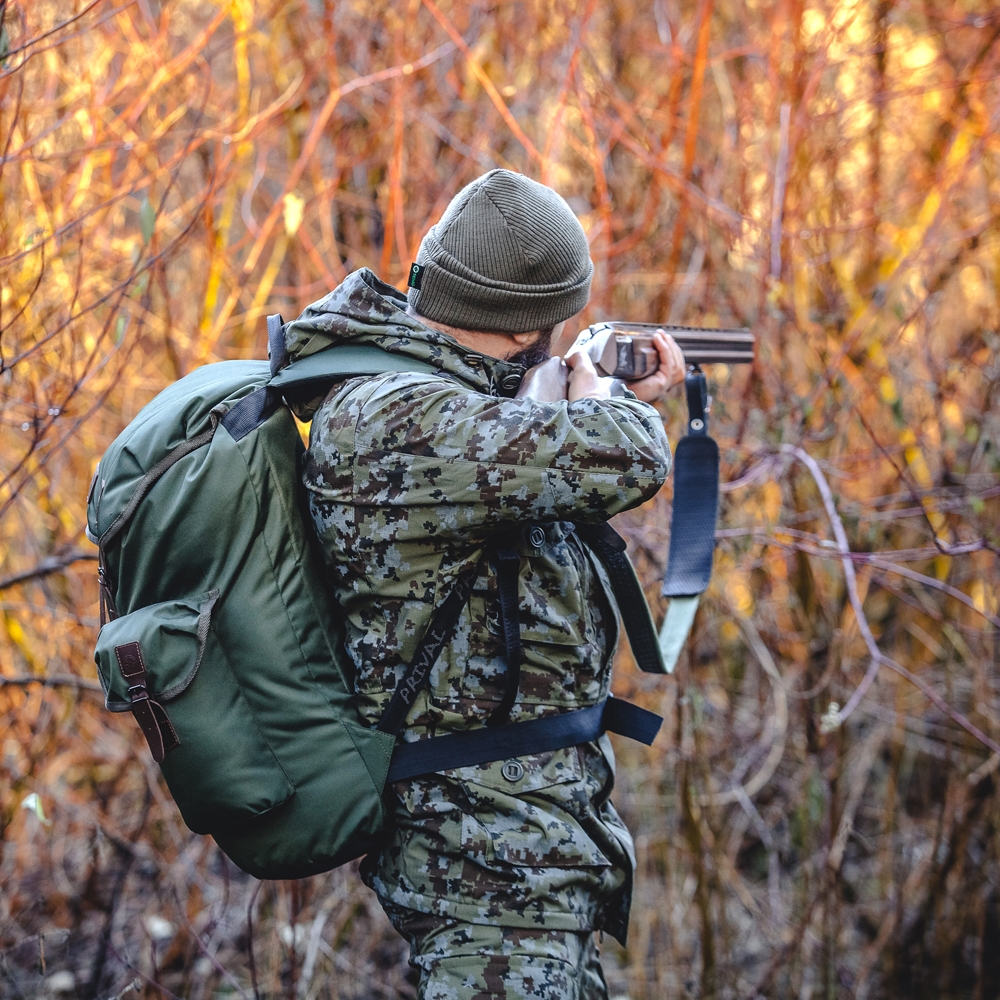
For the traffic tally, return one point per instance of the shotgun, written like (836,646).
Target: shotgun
(625,351)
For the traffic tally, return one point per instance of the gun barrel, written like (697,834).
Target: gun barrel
(625,350)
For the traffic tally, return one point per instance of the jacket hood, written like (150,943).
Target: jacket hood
(365,310)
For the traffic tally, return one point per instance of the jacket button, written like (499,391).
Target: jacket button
(513,770)
(511,382)
(536,537)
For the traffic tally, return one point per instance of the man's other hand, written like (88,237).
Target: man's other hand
(584,382)
(670,373)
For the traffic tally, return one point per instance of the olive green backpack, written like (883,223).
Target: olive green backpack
(221,637)
(221,640)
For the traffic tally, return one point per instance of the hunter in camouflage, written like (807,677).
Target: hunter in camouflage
(498,875)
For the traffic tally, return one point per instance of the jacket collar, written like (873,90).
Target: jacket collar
(365,310)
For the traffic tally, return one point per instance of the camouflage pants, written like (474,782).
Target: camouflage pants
(462,961)
(498,875)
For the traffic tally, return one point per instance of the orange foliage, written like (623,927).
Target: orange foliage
(821,814)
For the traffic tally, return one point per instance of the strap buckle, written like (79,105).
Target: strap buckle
(696,390)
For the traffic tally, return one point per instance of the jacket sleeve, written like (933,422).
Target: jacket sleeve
(426,442)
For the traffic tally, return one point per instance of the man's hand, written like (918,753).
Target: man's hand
(546,382)
(670,373)
(584,382)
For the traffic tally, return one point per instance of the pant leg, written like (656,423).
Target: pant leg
(462,961)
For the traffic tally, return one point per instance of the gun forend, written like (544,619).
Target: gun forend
(626,351)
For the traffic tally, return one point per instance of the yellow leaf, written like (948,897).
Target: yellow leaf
(982,598)
(772,500)
(730,632)
(293,210)
(887,389)
(739,594)
(952,414)
(16,635)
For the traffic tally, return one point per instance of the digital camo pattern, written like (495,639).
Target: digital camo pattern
(408,476)
(461,961)
(545,851)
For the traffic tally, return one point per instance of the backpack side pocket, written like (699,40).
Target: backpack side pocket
(165,665)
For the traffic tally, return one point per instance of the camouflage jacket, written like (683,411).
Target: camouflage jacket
(409,475)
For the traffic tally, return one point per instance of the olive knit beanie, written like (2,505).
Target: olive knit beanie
(508,255)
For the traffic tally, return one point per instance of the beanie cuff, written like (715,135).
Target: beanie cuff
(474,303)
(447,298)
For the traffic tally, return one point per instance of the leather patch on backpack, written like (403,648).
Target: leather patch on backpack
(151,715)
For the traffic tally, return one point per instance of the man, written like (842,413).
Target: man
(498,875)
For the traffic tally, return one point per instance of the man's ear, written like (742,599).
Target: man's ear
(524,339)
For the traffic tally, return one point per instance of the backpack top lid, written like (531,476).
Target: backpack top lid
(176,415)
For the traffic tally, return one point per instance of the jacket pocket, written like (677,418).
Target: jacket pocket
(221,769)
(523,812)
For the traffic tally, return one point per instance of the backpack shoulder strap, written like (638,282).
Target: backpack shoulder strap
(500,738)
(345,361)
(609,547)
(312,375)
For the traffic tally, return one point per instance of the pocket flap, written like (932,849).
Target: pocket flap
(530,773)
(171,637)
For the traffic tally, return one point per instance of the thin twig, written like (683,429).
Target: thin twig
(128,988)
(206,951)
(780,180)
(250,951)
(878,658)
(775,735)
(53,564)
(850,579)
(53,680)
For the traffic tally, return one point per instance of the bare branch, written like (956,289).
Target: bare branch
(54,680)
(53,564)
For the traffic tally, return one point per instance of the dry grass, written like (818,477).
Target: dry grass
(825,172)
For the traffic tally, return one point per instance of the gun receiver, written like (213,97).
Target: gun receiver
(626,351)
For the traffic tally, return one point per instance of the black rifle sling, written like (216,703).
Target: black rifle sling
(609,547)
(507,564)
(437,636)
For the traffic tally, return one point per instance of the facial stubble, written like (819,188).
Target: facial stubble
(539,350)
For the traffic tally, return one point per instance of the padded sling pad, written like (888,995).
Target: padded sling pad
(692,527)
(696,507)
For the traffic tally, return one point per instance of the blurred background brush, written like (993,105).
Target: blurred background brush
(820,817)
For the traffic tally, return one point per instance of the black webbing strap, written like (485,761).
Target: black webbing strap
(507,564)
(696,500)
(696,391)
(277,350)
(519,739)
(251,411)
(609,547)
(437,636)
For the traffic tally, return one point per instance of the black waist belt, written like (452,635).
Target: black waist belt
(518,739)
